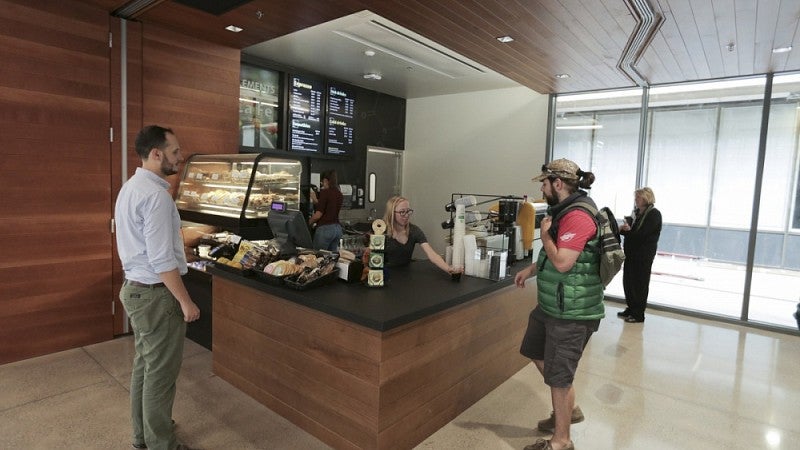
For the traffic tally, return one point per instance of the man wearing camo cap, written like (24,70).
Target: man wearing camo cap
(570,295)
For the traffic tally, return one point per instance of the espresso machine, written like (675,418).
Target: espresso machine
(495,230)
(505,224)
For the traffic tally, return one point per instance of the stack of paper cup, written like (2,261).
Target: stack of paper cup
(458,238)
(470,263)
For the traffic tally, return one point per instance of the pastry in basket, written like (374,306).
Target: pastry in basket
(244,247)
(229,263)
(282,268)
(309,275)
(308,261)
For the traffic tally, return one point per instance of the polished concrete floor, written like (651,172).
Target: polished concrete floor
(671,383)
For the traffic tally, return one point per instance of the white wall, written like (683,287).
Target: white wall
(488,142)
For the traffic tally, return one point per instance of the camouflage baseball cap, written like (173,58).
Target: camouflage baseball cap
(560,168)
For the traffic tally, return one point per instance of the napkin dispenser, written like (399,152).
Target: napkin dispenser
(350,271)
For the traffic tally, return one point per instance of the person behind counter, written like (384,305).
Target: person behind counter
(402,235)
(326,213)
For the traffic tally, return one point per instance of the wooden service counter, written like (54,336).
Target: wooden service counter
(370,368)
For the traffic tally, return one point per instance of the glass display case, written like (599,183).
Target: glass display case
(235,191)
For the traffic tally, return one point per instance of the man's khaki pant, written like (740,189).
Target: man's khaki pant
(158,331)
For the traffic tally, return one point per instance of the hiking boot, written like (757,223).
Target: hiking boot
(549,424)
(543,444)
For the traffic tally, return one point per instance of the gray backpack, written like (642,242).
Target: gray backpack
(610,245)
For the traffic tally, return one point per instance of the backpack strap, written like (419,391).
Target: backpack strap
(591,210)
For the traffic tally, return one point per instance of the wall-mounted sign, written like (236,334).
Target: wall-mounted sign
(306,96)
(259,107)
(341,120)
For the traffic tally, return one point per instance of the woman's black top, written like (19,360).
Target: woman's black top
(397,254)
(642,238)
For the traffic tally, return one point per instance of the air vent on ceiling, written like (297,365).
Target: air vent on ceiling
(410,49)
(215,7)
(133,8)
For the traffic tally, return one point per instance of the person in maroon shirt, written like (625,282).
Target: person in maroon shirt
(326,213)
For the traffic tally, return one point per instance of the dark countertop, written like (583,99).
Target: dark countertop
(411,293)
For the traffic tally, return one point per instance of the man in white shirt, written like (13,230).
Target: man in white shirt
(150,247)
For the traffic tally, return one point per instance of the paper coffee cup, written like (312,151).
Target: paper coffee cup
(202,250)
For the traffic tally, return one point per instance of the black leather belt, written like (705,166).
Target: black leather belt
(136,283)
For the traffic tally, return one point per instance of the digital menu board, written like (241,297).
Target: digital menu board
(305,114)
(341,118)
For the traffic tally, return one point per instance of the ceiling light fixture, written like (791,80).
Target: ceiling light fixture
(505,39)
(731,46)
(578,127)
(369,52)
(234,28)
(372,76)
(562,76)
(788,48)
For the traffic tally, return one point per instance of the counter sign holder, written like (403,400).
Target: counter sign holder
(377,244)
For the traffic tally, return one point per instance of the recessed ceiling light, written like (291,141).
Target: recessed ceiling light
(562,76)
(372,76)
(788,48)
(578,127)
(234,28)
(369,52)
(505,39)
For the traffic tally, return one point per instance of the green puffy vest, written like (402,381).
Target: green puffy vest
(576,294)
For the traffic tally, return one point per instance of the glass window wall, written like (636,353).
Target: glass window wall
(600,132)
(776,275)
(699,155)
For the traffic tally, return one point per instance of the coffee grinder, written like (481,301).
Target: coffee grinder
(505,225)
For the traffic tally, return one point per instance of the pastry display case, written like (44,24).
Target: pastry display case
(235,191)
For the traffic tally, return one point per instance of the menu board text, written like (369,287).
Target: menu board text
(341,114)
(305,114)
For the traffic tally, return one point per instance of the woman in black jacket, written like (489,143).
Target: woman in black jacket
(641,232)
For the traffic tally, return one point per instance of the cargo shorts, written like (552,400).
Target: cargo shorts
(559,343)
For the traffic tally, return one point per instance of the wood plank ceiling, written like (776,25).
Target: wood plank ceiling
(698,39)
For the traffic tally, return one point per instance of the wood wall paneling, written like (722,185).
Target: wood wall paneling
(193,87)
(183,83)
(59,95)
(54,150)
